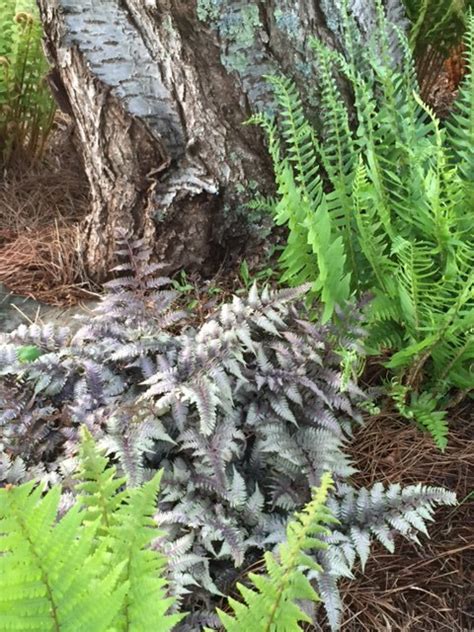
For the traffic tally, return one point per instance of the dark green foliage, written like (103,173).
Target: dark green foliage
(385,206)
(435,35)
(438,24)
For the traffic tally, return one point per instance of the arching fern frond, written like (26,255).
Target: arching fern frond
(392,212)
(93,569)
(461,122)
(271,603)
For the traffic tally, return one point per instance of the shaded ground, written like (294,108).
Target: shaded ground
(41,206)
(427,588)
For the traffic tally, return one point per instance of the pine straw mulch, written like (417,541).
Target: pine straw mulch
(41,206)
(426,588)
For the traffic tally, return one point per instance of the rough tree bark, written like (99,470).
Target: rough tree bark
(159,90)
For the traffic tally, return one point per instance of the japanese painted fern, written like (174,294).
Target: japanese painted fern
(244,415)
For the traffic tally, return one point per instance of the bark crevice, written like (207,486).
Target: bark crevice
(159,97)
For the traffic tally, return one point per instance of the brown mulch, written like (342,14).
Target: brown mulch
(423,588)
(41,206)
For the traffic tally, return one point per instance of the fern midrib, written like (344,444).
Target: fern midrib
(297,546)
(126,601)
(454,359)
(415,31)
(44,575)
(104,510)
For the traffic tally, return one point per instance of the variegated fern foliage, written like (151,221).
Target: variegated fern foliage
(385,204)
(244,415)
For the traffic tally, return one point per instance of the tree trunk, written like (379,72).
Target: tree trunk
(159,90)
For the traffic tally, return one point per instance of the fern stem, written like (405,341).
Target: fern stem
(417,367)
(454,359)
(44,576)
(415,31)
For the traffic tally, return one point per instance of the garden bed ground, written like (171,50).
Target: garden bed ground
(423,588)
(40,207)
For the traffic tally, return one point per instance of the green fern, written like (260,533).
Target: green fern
(436,31)
(271,604)
(52,574)
(461,122)
(422,409)
(397,218)
(125,518)
(436,23)
(26,105)
(91,570)
(314,248)
(98,485)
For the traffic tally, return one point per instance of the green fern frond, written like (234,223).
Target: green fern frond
(145,603)
(26,105)
(417,275)
(271,605)
(92,570)
(424,410)
(461,122)
(371,234)
(297,258)
(124,518)
(397,217)
(98,485)
(436,23)
(336,151)
(298,136)
(52,575)
(333,281)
